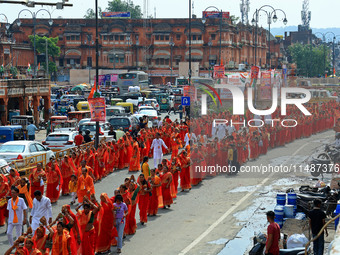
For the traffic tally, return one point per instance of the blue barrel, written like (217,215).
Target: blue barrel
(279,212)
(292,200)
(289,211)
(336,212)
(281,198)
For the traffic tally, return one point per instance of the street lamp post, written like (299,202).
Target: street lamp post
(324,50)
(209,44)
(137,44)
(47,72)
(7,27)
(271,16)
(89,41)
(189,71)
(34,16)
(97,72)
(172,44)
(221,21)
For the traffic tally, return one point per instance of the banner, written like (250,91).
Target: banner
(116,15)
(255,72)
(215,15)
(218,72)
(97,108)
(265,88)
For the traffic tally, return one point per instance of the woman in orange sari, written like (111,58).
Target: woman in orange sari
(4,192)
(131,217)
(156,199)
(121,153)
(144,197)
(24,192)
(54,182)
(66,172)
(166,179)
(75,233)
(86,219)
(61,240)
(135,159)
(101,162)
(37,178)
(40,238)
(185,171)
(105,218)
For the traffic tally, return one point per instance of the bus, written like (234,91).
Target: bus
(134,78)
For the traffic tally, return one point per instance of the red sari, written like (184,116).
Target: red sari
(131,217)
(105,220)
(41,242)
(143,203)
(53,179)
(66,172)
(185,172)
(4,191)
(35,181)
(88,241)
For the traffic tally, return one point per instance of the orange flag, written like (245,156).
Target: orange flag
(92,91)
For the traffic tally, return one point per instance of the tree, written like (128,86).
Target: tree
(53,50)
(120,6)
(90,14)
(311,61)
(117,6)
(234,19)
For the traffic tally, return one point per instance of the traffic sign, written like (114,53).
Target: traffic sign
(185,101)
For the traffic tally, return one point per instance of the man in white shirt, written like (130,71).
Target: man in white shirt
(16,215)
(41,208)
(157,145)
(160,122)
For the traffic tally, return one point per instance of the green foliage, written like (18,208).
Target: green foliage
(234,19)
(40,45)
(311,61)
(90,14)
(122,6)
(52,67)
(14,71)
(117,6)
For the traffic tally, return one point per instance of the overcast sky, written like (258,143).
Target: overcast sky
(325,13)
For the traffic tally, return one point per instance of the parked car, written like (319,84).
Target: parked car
(148,102)
(57,141)
(22,149)
(104,128)
(114,110)
(127,123)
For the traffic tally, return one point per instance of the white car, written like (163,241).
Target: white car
(23,149)
(104,128)
(155,103)
(145,107)
(57,141)
(151,113)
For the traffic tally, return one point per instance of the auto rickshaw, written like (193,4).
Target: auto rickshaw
(23,120)
(114,101)
(127,106)
(83,106)
(12,133)
(146,93)
(79,115)
(163,100)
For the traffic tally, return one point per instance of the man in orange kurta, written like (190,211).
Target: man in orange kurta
(85,185)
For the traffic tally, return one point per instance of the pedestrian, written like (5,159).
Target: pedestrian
(37,178)
(121,210)
(273,235)
(31,128)
(316,222)
(79,139)
(180,111)
(87,137)
(16,215)
(172,106)
(113,133)
(157,145)
(41,208)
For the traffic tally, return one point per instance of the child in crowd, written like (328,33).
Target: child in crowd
(73,186)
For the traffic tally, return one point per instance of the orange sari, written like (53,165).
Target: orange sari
(52,183)
(24,191)
(135,159)
(166,191)
(105,219)
(35,181)
(156,200)
(60,243)
(41,242)
(85,184)
(4,189)
(88,241)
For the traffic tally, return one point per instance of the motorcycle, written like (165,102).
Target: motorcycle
(324,162)
(308,194)
(260,244)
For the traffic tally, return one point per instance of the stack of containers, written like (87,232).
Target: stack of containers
(279,208)
(292,201)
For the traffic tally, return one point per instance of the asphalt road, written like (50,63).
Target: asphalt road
(220,215)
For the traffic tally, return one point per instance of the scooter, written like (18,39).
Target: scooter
(324,162)
(260,244)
